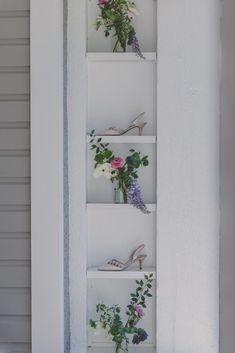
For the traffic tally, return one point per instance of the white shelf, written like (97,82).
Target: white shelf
(126,139)
(133,273)
(132,349)
(150,56)
(117,207)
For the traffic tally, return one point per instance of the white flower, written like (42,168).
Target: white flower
(104,170)
(132,11)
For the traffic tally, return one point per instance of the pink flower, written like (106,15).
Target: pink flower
(117,163)
(139,311)
(103,2)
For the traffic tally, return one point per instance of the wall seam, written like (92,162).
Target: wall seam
(67,331)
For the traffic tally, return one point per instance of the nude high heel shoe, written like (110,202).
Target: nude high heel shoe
(116,265)
(136,123)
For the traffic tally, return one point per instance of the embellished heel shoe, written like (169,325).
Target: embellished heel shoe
(137,123)
(116,265)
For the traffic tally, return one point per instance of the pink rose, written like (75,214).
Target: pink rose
(103,2)
(117,163)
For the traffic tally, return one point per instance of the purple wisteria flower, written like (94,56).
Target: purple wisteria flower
(141,336)
(139,310)
(134,197)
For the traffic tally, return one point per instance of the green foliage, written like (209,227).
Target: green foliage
(117,19)
(110,317)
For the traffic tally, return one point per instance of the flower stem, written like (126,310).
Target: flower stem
(117,348)
(124,191)
(115,46)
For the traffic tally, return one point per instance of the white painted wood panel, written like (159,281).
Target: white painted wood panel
(15,221)
(127,139)
(14,274)
(120,56)
(188,152)
(14,329)
(118,207)
(47,175)
(130,273)
(14,167)
(14,111)
(14,83)
(14,301)
(14,194)
(14,139)
(14,27)
(14,5)
(139,349)
(14,55)
(14,249)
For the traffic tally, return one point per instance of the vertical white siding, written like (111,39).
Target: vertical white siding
(188,150)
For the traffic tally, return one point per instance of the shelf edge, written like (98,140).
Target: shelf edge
(92,56)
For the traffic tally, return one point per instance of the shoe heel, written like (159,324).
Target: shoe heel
(141,128)
(140,264)
(141,259)
(140,131)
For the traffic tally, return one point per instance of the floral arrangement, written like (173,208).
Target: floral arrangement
(117,16)
(122,172)
(110,318)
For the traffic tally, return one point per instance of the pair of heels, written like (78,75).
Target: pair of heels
(137,123)
(116,265)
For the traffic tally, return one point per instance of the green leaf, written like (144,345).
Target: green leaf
(107,154)
(145,163)
(99,158)
(93,324)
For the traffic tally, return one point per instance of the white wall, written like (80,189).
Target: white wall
(188,222)
(227,259)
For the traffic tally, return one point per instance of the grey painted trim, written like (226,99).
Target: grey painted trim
(67,332)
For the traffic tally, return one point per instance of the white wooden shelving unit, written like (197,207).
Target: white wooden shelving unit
(151,56)
(127,139)
(133,273)
(131,350)
(119,87)
(117,207)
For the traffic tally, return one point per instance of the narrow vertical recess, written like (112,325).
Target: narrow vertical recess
(66,186)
